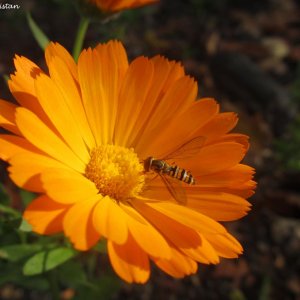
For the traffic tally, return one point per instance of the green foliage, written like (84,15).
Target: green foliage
(11,273)
(236,294)
(47,264)
(5,78)
(25,226)
(47,260)
(27,197)
(295,89)
(8,210)
(103,288)
(288,147)
(38,34)
(17,252)
(72,274)
(265,290)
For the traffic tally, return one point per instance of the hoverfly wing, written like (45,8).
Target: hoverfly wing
(187,149)
(175,188)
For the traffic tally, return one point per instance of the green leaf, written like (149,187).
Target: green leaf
(5,199)
(236,294)
(25,226)
(33,283)
(101,246)
(27,197)
(38,34)
(47,260)
(9,210)
(265,291)
(11,273)
(100,288)
(6,78)
(17,252)
(9,234)
(72,274)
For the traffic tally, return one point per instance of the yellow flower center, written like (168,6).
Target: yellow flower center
(116,172)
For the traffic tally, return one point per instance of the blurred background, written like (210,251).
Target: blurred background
(243,53)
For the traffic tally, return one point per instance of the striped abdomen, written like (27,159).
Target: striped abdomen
(181,174)
(162,167)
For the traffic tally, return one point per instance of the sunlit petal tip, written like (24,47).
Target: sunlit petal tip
(179,266)
(110,221)
(25,66)
(146,235)
(129,261)
(17,59)
(44,215)
(78,224)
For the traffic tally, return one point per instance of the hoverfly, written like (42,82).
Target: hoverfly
(171,174)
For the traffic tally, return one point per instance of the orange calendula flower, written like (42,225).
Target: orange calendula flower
(117,5)
(123,152)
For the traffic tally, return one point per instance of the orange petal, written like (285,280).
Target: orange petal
(26,168)
(178,266)
(57,109)
(217,205)
(181,128)
(215,158)
(69,89)
(184,90)
(218,126)
(42,137)
(67,186)
(175,71)
(78,224)
(100,74)
(121,4)
(129,261)
(146,236)
(133,93)
(110,220)
(225,245)
(179,234)
(232,177)
(114,61)
(45,215)
(118,54)
(237,138)
(204,253)
(245,190)
(56,50)
(10,145)
(26,72)
(7,117)
(185,216)
(23,80)
(165,73)
(156,189)
(90,84)
(22,87)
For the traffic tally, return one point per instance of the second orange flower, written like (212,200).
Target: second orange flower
(117,5)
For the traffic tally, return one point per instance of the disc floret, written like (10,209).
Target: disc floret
(116,172)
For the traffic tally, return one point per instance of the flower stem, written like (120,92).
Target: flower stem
(54,285)
(82,29)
